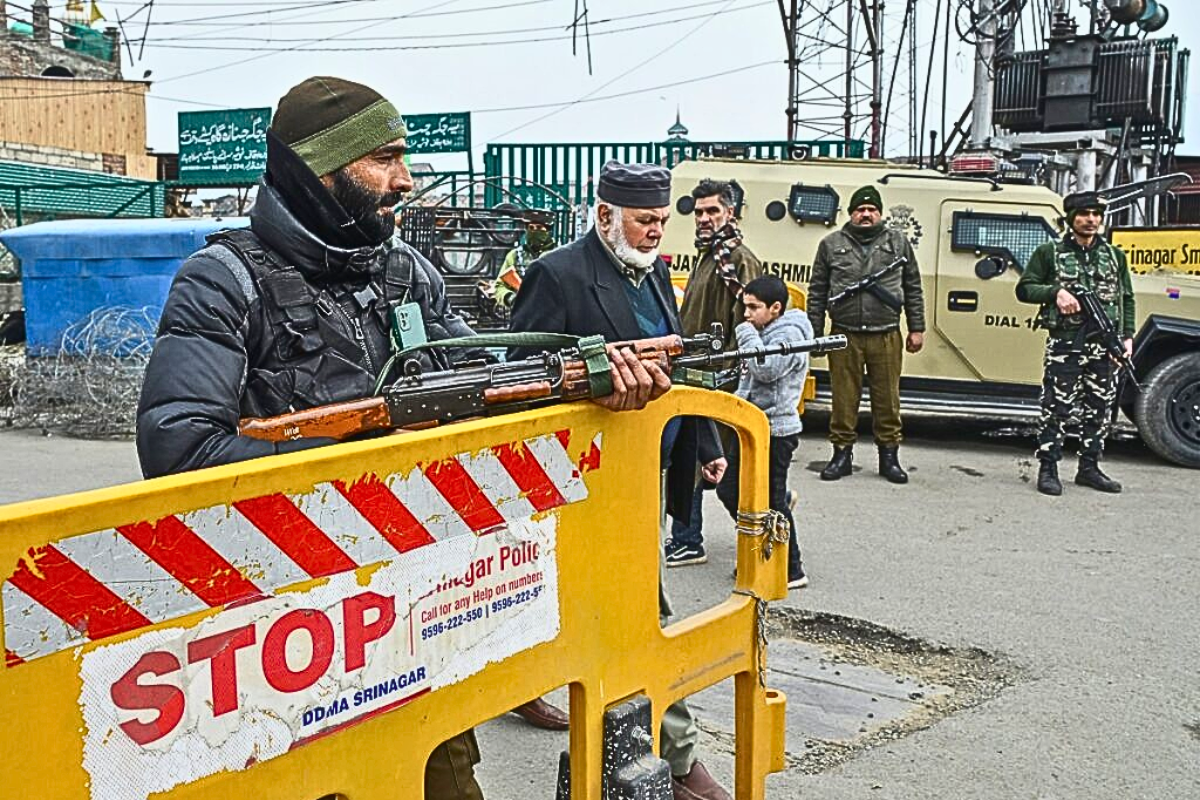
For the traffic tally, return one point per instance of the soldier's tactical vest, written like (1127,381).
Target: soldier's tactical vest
(314,345)
(1097,269)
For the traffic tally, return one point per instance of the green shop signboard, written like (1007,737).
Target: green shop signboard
(223,148)
(438,133)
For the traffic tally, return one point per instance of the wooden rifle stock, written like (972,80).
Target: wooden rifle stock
(338,421)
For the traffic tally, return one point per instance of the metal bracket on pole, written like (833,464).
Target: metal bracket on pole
(631,770)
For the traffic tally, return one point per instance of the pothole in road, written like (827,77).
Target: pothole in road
(852,685)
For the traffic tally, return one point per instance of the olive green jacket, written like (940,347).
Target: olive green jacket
(707,299)
(842,261)
(1057,265)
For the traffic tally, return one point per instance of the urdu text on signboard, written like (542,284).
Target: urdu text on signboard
(223,148)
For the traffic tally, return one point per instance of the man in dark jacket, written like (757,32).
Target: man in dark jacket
(613,283)
(863,246)
(294,312)
(1079,375)
(713,294)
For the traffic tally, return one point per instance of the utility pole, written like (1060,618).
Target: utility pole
(848,115)
(876,30)
(791,22)
(984,96)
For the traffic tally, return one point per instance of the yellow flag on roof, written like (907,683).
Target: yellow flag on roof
(96,14)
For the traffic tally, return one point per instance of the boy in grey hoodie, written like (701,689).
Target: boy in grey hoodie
(774,386)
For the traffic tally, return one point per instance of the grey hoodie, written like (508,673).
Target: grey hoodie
(775,385)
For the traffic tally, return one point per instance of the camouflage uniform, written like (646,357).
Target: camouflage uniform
(1078,377)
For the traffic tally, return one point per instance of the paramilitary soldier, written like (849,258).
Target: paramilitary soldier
(293,312)
(864,246)
(537,241)
(1079,376)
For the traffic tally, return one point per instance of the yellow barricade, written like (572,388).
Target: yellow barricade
(316,623)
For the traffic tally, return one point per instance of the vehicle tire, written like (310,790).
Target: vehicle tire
(1167,411)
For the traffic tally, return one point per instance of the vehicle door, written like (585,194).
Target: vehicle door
(982,251)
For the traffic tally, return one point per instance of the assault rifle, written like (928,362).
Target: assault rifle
(478,389)
(1096,323)
(870,285)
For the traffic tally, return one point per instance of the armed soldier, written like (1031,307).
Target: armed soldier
(294,312)
(1079,373)
(713,294)
(537,241)
(862,277)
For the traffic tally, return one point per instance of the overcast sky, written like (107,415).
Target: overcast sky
(720,62)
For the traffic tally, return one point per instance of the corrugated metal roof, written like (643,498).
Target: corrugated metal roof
(46,190)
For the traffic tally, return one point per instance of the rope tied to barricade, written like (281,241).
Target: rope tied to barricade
(770,525)
(760,627)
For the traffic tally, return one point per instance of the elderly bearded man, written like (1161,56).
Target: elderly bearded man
(612,283)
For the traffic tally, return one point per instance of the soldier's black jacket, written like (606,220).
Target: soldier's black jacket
(270,320)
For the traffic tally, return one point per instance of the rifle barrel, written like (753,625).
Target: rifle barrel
(822,344)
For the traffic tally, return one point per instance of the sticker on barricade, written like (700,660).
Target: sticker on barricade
(429,576)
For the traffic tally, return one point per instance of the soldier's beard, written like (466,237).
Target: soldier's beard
(626,253)
(371,211)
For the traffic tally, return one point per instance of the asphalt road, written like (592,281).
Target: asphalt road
(1091,598)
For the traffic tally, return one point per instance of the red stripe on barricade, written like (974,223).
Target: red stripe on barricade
(564,438)
(590,460)
(192,561)
(375,501)
(11,659)
(460,489)
(296,535)
(74,596)
(533,481)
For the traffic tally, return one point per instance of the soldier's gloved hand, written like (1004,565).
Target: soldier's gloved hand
(635,382)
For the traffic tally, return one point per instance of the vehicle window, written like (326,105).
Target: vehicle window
(1011,236)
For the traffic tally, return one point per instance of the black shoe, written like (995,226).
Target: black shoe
(681,555)
(840,465)
(889,464)
(797,579)
(1089,474)
(1048,482)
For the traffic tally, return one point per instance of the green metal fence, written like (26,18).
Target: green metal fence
(558,175)
(39,192)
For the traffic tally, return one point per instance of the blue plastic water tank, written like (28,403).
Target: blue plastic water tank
(70,268)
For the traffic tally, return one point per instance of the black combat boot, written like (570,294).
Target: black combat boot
(839,466)
(1048,482)
(1089,474)
(889,464)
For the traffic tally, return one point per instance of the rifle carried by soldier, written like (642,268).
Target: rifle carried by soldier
(1096,323)
(576,371)
(871,286)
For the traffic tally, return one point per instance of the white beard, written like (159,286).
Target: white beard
(625,252)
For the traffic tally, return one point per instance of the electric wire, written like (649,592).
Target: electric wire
(436,46)
(611,81)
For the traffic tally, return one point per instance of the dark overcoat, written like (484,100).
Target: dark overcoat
(577,290)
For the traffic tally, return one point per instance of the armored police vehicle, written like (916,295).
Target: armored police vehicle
(972,237)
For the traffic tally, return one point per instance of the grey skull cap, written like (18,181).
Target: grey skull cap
(634,185)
